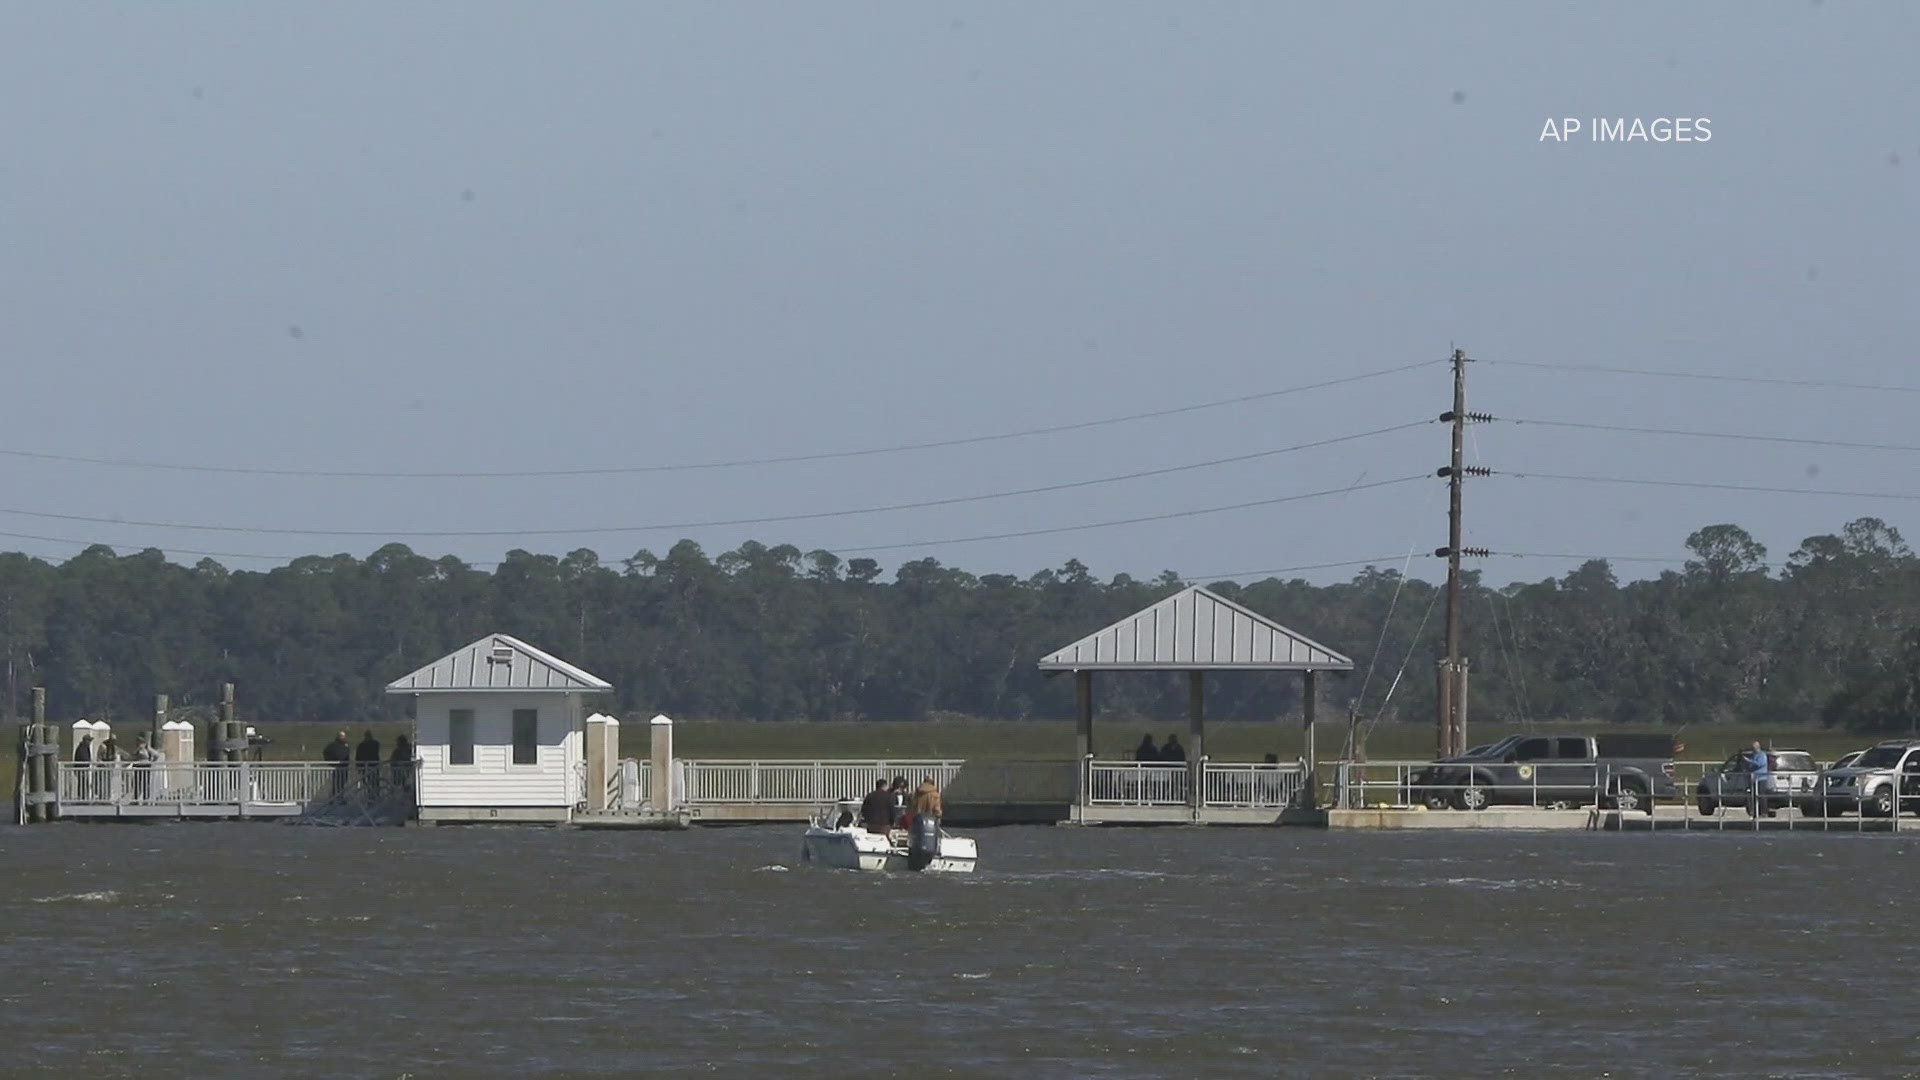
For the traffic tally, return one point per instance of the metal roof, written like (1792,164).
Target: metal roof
(498,662)
(1195,630)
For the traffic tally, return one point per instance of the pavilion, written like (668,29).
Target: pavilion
(1195,631)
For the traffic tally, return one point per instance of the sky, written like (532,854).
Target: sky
(486,238)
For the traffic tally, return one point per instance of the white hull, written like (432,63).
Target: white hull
(854,848)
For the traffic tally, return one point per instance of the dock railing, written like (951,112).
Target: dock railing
(1727,802)
(1250,785)
(747,782)
(266,787)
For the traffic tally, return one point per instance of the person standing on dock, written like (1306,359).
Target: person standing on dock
(340,754)
(1173,751)
(1147,750)
(1761,781)
(144,756)
(83,757)
(367,756)
(401,763)
(876,810)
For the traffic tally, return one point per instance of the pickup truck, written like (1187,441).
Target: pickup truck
(1624,771)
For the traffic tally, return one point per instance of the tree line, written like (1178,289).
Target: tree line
(1832,635)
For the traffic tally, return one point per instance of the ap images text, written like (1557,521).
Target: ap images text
(1628,129)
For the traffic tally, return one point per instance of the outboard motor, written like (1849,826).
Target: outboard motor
(923,843)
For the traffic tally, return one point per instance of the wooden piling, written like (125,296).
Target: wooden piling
(49,758)
(228,726)
(22,808)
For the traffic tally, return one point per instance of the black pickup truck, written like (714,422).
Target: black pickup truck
(1624,771)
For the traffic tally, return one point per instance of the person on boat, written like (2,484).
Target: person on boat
(1147,750)
(1173,751)
(876,810)
(897,791)
(83,751)
(926,799)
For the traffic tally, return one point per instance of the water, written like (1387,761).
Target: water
(261,949)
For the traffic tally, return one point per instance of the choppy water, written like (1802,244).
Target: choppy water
(269,950)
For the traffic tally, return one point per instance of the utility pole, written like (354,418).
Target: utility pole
(1452,712)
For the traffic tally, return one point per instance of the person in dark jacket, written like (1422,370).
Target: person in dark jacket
(341,755)
(367,757)
(83,751)
(1173,751)
(876,810)
(897,791)
(401,763)
(1146,751)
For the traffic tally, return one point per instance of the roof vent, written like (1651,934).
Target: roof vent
(500,654)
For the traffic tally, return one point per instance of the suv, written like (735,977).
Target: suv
(1794,775)
(1869,783)
(1624,771)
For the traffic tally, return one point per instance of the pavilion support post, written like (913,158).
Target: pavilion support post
(1196,740)
(1082,735)
(1309,707)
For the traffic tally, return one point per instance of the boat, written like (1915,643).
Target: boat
(835,838)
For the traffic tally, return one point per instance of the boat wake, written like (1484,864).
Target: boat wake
(105,896)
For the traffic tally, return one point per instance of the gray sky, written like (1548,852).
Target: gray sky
(484,237)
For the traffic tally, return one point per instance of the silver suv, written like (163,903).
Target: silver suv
(1871,782)
(1792,775)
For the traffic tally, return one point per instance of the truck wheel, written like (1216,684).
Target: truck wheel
(1435,801)
(1471,796)
(1814,808)
(1708,807)
(1628,798)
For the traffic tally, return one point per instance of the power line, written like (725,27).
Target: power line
(1202,579)
(1742,436)
(1135,520)
(718,523)
(1763,489)
(738,463)
(1825,384)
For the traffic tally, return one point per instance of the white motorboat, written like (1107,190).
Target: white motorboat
(835,838)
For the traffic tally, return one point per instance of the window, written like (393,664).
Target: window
(526,736)
(1533,750)
(1573,749)
(460,736)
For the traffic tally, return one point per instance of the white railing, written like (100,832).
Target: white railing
(222,783)
(1248,785)
(1262,786)
(1136,783)
(1727,803)
(738,782)
(629,785)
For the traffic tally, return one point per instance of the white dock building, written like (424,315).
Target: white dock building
(500,732)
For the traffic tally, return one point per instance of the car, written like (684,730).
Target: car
(1793,772)
(1885,778)
(1846,759)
